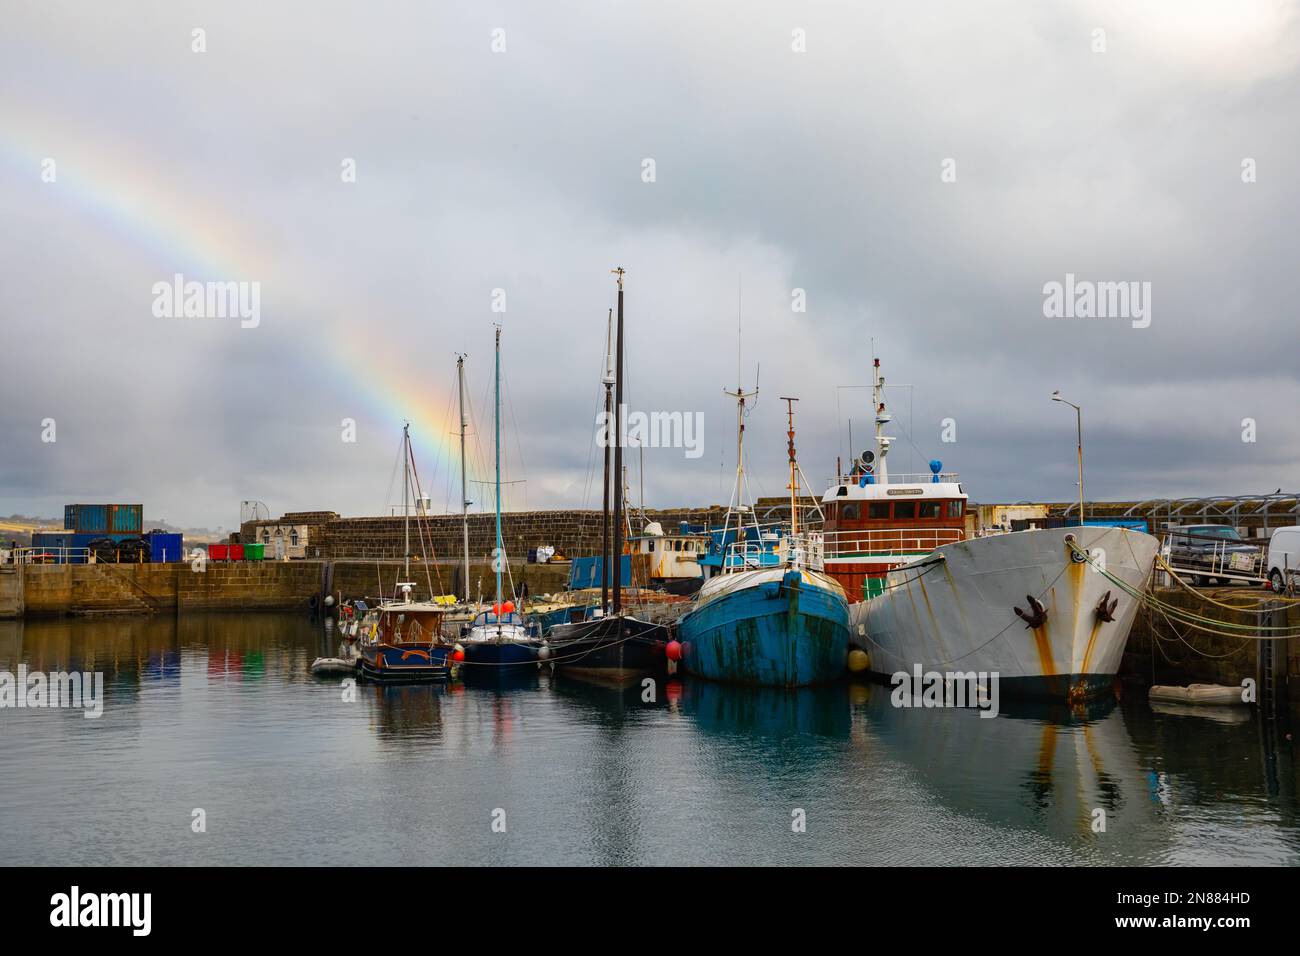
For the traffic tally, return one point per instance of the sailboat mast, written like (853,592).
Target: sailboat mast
(406,511)
(617,555)
(608,381)
(499,556)
(464,494)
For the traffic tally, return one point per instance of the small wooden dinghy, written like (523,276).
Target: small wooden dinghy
(333,665)
(1212,694)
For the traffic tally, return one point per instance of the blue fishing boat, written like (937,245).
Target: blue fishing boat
(767,615)
(497,642)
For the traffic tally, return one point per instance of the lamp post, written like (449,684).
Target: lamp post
(1078,415)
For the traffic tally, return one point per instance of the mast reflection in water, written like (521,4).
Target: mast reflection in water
(219,712)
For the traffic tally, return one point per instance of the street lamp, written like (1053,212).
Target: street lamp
(1078,414)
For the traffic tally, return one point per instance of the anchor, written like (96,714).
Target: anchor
(1036,616)
(1105,609)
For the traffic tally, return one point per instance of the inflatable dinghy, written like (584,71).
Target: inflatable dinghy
(1214,694)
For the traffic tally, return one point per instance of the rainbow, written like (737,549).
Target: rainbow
(122,191)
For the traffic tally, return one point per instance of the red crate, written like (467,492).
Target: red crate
(236,552)
(217,552)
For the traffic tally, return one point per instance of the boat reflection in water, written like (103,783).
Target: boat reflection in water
(768,711)
(1109,783)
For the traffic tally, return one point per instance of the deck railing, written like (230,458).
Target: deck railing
(805,550)
(887,542)
(895,478)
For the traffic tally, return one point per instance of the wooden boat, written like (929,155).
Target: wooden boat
(607,641)
(401,639)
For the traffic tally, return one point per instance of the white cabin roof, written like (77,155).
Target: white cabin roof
(901,490)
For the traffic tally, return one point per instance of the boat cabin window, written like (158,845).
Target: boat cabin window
(878,509)
(485,618)
(650,546)
(904,509)
(954,509)
(928,509)
(849,512)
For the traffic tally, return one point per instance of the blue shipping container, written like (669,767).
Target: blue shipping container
(165,547)
(97,519)
(85,518)
(125,519)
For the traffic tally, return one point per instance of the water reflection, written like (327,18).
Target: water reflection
(220,710)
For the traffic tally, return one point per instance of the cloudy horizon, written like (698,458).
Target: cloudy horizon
(390,175)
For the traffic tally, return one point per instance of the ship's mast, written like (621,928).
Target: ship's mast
(617,554)
(794,467)
(608,382)
(883,418)
(464,494)
(406,511)
(737,496)
(499,557)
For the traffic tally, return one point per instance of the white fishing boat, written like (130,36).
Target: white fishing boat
(1040,608)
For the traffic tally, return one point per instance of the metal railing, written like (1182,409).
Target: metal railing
(801,550)
(896,478)
(52,555)
(887,542)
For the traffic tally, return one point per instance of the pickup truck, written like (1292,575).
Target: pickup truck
(1212,548)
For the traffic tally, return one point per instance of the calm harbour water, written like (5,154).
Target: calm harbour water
(219,712)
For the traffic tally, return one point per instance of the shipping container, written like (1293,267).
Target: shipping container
(101,519)
(236,552)
(217,552)
(125,519)
(85,518)
(255,552)
(165,547)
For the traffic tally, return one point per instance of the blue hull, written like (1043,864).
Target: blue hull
(405,662)
(774,634)
(487,658)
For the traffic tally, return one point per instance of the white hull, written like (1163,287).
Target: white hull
(954,610)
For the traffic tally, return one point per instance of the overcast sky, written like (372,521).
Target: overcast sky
(921,170)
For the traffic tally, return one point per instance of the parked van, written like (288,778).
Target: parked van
(1284,558)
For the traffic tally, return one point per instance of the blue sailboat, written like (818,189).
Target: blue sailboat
(498,642)
(768,615)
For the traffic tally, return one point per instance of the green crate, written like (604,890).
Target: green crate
(254,552)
